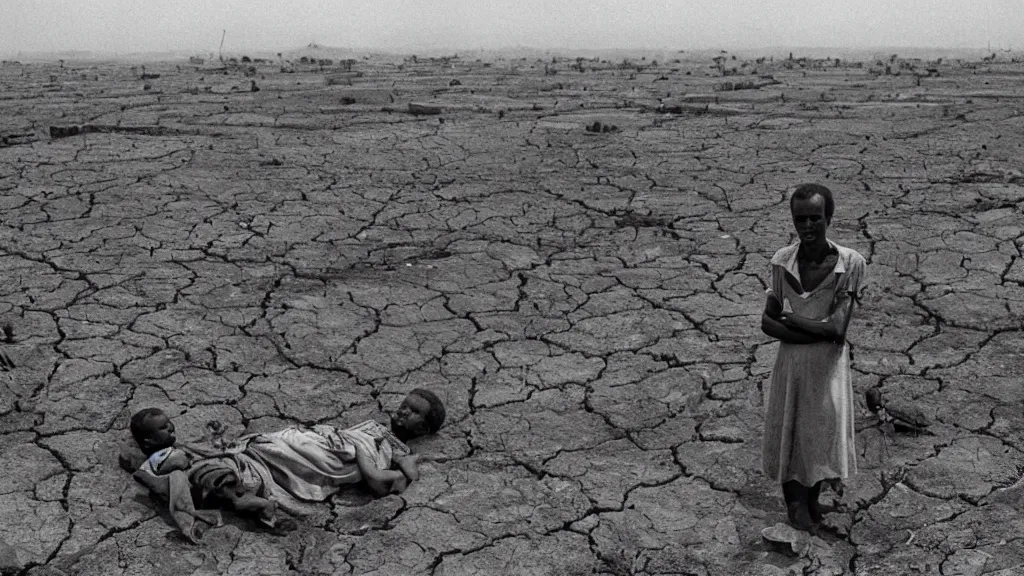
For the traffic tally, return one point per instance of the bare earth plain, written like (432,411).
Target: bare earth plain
(587,304)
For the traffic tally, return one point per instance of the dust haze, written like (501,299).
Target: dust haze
(122,26)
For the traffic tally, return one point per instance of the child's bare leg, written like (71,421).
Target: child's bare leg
(246,502)
(265,510)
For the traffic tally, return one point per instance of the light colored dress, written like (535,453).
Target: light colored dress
(295,465)
(809,433)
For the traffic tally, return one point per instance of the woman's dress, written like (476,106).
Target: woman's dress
(809,433)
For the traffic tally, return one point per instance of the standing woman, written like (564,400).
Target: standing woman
(809,435)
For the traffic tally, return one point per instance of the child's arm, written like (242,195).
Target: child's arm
(408,465)
(176,460)
(381,482)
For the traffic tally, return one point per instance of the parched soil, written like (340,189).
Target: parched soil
(587,303)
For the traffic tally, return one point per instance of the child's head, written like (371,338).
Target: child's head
(152,430)
(422,412)
(811,206)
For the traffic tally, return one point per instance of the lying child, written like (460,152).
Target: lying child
(164,473)
(264,473)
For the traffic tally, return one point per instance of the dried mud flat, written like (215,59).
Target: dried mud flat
(587,303)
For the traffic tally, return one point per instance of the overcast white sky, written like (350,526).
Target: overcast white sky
(195,25)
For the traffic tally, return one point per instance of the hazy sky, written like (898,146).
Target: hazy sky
(195,25)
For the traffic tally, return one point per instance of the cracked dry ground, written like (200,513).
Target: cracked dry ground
(587,304)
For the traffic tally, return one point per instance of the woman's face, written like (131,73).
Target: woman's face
(809,218)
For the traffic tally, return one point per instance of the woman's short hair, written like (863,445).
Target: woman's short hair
(808,191)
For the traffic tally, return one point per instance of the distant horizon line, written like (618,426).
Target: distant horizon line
(406,51)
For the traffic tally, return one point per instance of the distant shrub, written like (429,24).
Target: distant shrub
(598,128)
